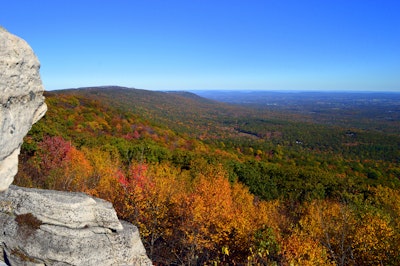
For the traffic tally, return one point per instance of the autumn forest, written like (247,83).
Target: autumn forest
(234,183)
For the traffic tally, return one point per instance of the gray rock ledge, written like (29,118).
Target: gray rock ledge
(45,227)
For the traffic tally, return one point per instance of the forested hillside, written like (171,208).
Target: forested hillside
(212,183)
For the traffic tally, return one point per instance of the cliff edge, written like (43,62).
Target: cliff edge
(44,227)
(21,101)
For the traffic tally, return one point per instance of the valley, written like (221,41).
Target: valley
(230,177)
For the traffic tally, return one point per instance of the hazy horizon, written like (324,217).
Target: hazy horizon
(213,45)
(231,90)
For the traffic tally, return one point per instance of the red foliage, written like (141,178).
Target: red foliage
(122,179)
(137,175)
(53,152)
(131,136)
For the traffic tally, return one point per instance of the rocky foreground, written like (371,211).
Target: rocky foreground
(44,227)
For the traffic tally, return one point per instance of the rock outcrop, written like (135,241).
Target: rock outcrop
(21,100)
(44,227)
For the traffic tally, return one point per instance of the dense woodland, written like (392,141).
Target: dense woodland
(218,184)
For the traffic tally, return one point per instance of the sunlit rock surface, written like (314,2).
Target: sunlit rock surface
(44,227)
(21,100)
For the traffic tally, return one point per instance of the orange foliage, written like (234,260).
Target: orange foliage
(210,213)
(77,171)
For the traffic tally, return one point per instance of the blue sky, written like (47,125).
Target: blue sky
(204,44)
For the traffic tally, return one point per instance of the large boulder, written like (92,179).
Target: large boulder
(44,227)
(21,100)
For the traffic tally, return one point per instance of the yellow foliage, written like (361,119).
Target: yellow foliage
(332,224)
(373,241)
(300,249)
(103,181)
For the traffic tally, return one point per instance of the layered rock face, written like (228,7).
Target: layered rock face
(43,227)
(21,100)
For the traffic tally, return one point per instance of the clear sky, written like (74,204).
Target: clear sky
(212,44)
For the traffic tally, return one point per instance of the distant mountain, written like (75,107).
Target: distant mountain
(178,110)
(226,113)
